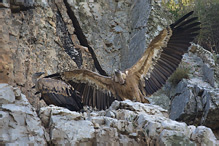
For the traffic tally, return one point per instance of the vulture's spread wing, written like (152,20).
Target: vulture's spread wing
(59,93)
(158,62)
(164,54)
(96,90)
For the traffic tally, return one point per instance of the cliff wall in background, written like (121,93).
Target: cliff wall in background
(58,36)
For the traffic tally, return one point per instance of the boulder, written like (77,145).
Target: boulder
(125,122)
(19,123)
(196,100)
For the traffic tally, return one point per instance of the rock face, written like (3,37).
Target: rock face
(119,29)
(37,40)
(19,123)
(53,37)
(196,100)
(193,100)
(66,127)
(125,122)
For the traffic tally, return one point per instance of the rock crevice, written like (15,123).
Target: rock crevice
(82,39)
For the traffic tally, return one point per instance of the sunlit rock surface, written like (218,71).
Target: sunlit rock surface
(19,123)
(125,122)
(41,36)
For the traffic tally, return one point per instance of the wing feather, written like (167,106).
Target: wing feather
(94,87)
(181,19)
(59,93)
(164,53)
(87,77)
(95,90)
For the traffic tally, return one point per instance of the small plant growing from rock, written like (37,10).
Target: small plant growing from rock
(178,75)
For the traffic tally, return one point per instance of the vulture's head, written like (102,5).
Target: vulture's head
(119,77)
(36,76)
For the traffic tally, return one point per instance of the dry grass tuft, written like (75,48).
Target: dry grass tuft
(178,75)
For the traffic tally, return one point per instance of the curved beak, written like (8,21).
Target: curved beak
(117,72)
(35,76)
(40,73)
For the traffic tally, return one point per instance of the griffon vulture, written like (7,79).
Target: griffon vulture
(145,77)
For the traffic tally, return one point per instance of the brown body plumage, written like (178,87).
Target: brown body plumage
(149,74)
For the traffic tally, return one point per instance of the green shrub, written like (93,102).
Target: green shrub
(178,75)
(208,14)
(176,7)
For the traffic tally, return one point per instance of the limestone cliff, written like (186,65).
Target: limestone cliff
(125,122)
(53,36)
(37,38)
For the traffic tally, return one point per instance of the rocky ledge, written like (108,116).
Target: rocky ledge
(125,122)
